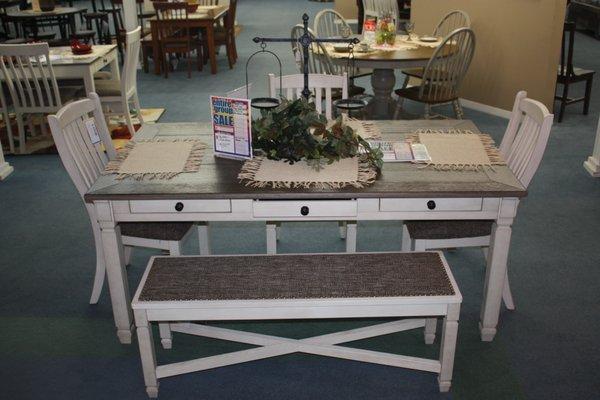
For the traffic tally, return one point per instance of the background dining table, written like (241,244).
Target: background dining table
(384,62)
(62,17)
(205,18)
(214,193)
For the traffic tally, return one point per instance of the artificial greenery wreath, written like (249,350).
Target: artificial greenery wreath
(295,131)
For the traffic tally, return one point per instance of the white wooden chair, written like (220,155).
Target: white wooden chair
(319,61)
(32,85)
(321,85)
(85,160)
(330,23)
(6,119)
(116,96)
(522,147)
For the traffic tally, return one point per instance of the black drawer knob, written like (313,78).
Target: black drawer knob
(431,205)
(304,210)
(179,206)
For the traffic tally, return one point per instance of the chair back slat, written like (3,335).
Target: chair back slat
(132,55)
(84,161)
(293,85)
(526,136)
(452,21)
(330,23)
(448,66)
(30,77)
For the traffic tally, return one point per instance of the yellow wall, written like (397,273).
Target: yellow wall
(518,46)
(347,8)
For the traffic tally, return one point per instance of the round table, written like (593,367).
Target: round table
(56,17)
(383,63)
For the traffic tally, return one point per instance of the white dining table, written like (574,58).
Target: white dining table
(214,193)
(69,66)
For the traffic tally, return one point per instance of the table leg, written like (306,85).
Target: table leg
(115,272)
(383,82)
(114,69)
(156,58)
(210,38)
(496,269)
(88,81)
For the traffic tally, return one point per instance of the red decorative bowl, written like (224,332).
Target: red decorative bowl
(79,48)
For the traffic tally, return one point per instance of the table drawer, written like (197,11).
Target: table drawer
(421,205)
(179,206)
(309,208)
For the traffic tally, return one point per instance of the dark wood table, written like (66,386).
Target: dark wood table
(214,193)
(63,17)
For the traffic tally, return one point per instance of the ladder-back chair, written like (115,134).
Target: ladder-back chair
(568,74)
(85,160)
(443,74)
(116,96)
(174,34)
(31,82)
(522,147)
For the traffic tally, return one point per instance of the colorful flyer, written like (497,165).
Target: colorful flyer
(232,127)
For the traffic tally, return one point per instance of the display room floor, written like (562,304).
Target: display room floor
(56,346)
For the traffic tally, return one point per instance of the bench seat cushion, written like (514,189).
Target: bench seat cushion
(296,277)
(434,230)
(156,230)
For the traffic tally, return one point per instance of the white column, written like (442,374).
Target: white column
(592,165)
(130,15)
(5,168)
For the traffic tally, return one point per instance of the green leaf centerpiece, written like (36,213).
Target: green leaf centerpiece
(295,131)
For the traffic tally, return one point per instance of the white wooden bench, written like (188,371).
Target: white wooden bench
(176,290)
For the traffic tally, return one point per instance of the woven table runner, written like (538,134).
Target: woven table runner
(260,172)
(157,159)
(458,150)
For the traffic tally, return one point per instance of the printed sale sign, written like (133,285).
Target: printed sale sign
(232,123)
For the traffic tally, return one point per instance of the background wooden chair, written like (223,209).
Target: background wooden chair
(85,160)
(174,34)
(568,74)
(449,23)
(225,35)
(117,95)
(330,23)
(522,147)
(443,74)
(32,85)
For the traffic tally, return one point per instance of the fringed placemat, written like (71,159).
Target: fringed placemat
(157,159)
(365,129)
(260,172)
(458,150)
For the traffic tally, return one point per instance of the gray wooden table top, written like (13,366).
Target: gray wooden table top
(217,177)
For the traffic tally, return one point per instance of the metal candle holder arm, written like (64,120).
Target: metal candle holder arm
(305,41)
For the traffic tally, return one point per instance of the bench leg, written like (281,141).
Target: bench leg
(448,347)
(407,242)
(147,354)
(342,228)
(430,328)
(166,338)
(351,237)
(271,238)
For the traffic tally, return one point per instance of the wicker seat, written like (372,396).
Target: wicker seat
(448,229)
(104,87)
(156,230)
